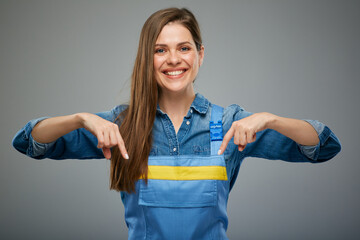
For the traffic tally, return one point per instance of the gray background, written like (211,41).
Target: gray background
(296,59)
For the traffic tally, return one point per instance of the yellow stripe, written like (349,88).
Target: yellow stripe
(187,173)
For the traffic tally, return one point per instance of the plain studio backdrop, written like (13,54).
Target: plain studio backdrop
(296,59)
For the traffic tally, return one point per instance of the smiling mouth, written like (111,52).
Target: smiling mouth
(174,73)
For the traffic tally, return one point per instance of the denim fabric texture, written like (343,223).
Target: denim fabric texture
(191,139)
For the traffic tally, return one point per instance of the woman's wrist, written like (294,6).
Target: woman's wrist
(271,120)
(80,119)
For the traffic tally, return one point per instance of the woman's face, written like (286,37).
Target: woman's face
(176,59)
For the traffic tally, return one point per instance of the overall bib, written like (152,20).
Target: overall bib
(186,195)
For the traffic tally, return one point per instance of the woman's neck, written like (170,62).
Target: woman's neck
(176,106)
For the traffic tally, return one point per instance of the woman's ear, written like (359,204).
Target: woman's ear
(201,55)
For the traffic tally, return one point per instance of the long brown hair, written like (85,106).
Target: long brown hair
(138,119)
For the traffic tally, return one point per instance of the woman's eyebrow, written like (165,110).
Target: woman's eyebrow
(165,45)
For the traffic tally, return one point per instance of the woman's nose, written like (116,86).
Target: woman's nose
(173,58)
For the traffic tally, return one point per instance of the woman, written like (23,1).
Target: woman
(174,155)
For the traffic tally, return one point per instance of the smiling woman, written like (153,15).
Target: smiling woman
(174,155)
(176,59)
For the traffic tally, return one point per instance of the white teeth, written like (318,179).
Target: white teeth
(174,73)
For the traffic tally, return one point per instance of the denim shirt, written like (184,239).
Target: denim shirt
(193,138)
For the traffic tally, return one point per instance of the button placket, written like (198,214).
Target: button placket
(171,135)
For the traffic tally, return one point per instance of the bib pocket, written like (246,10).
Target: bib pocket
(173,193)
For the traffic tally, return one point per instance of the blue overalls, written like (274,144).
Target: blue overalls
(186,195)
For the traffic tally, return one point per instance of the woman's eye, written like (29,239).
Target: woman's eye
(183,49)
(159,50)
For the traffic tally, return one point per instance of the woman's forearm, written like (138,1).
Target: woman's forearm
(298,130)
(50,129)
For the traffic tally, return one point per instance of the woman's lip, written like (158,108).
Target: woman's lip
(175,76)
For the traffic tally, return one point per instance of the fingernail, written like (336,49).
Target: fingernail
(219,152)
(126,156)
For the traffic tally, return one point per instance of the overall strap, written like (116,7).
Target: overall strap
(216,133)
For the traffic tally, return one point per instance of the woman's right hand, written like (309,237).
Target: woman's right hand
(106,132)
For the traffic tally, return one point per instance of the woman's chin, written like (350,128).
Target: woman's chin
(177,89)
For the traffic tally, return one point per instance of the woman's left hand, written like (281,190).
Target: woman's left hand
(244,130)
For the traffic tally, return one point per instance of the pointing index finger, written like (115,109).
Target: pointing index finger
(121,145)
(226,140)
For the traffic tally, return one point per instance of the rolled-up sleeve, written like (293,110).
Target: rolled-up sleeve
(328,146)
(77,144)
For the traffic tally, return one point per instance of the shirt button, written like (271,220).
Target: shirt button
(187,122)
(191,111)
(174,149)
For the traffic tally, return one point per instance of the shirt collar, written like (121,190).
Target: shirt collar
(200,104)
